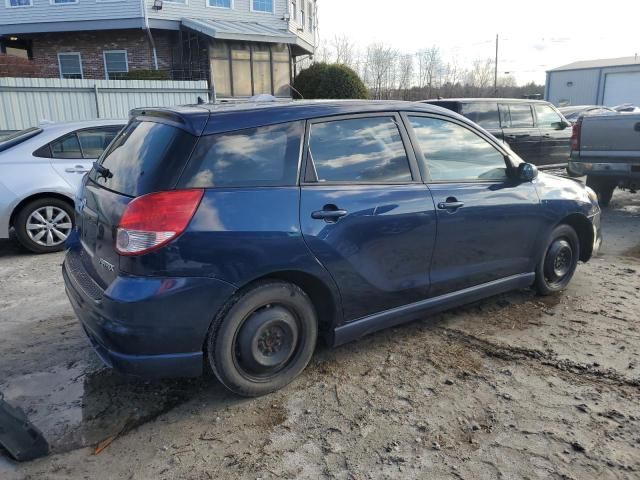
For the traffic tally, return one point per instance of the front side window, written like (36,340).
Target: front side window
(521,116)
(453,152)
(484,114)
(362,150)
(547,116)
(116,64)
(70,65)
(262,156)
(262,6)
(220,3)
(19,3)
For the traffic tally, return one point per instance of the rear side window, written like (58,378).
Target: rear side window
(521,116)
(484,114)
(95,141)
(547,116)
(359,150)
(66,147)
(262,156)
(145,157)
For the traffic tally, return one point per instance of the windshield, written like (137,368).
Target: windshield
(16,138)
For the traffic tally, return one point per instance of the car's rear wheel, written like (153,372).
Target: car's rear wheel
(559,261)
(43,225)
(263,338)
(603,187)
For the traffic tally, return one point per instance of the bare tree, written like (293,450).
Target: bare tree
(379,70)
(481,75)
(405,75)
(345,50)
(429,63)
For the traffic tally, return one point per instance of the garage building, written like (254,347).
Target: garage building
(610,82)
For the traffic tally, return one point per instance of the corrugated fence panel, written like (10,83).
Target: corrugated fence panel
(25,102)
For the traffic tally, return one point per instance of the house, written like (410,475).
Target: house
(242,47)
(610,82)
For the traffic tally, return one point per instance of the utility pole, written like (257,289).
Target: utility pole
(495,73)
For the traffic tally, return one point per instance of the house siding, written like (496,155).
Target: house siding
(42,11)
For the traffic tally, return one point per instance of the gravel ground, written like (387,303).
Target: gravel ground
(516,386)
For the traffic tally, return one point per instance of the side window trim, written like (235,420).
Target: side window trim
(424,164)
(308,174)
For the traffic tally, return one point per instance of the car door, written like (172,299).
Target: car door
(73,154)
(555,144)
(364,212)
(520,132)
(487,222)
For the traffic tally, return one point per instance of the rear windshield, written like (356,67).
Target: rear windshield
(484,114)
(262,156)
(16,138)
(145,157)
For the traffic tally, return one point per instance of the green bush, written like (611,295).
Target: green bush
(322,80)
(147,75)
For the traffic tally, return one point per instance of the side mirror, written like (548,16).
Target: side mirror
(527,172)
(560,125)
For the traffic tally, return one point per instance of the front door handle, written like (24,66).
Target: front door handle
(329,213)
(450,204)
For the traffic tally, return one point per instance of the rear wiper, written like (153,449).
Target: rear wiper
(103,172)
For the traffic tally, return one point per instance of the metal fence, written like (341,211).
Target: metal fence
(25,102)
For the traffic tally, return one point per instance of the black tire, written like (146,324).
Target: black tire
(558,260)
(50,230)
(263,338)
(603,187)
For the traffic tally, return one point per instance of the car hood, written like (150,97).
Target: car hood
(554,188)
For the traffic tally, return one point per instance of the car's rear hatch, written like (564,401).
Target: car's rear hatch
(147,156)
(614,138)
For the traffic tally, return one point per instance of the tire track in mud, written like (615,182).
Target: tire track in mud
(510,352)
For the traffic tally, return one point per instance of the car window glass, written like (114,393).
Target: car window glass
(547,117)
(521,116)
(484,114)
(453,152)
(95,141)
(66,147)
(263,156)
(359,150)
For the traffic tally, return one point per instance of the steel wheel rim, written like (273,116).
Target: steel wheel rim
(245,344)
(49,226)
(559,261)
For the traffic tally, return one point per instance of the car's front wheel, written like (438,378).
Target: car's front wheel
(43,225)
(559,260)
(263,339)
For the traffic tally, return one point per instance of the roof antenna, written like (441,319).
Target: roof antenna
(295,90)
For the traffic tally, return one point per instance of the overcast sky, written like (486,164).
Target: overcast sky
(534,36)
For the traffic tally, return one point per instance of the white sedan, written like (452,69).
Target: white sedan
(41,170)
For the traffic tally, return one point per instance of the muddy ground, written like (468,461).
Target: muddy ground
(516,386)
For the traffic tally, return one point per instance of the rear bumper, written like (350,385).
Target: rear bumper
(146,326)
(612,170)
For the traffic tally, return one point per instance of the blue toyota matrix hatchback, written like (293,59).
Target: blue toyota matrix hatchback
(230,237)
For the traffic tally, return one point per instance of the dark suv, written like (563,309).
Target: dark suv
(534,129)
(230,236)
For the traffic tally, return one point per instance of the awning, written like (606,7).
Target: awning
(244,31)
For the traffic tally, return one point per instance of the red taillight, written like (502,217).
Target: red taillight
(575,136)
(154,219)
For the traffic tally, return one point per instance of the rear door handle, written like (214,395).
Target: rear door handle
(450,205)
(328,215)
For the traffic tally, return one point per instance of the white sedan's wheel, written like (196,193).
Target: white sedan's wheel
(43,225)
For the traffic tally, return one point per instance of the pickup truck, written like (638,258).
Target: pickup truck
(606,148)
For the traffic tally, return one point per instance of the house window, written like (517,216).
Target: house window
(220,3)
(262,6)
(70,65)
(116,64)
(311,17)
(302,17)
(19,3)
(63,2)
(294,10)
